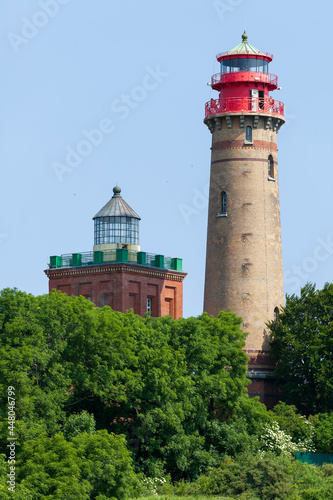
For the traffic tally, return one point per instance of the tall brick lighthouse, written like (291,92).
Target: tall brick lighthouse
(244,258)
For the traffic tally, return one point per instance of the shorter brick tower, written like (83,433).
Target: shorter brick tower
(117,273)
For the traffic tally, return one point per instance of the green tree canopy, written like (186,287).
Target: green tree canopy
(302,345)
(158,381)
(102,396)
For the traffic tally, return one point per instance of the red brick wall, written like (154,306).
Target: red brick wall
(268,390)
(123,287)
(261,373)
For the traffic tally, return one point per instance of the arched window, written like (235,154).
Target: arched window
(270,166)
(248,133)
(276,313)
(223,203)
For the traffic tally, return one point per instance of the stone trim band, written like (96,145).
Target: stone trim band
(234,143)
(57,273)
(248,159)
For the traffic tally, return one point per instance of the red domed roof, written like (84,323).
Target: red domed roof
(244,48)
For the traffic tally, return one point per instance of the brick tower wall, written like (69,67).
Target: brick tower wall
(244,258)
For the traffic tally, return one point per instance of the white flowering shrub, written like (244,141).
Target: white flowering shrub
(276,440)
(151,485)
(306,445)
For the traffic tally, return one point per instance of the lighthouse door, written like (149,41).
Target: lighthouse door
(254,99)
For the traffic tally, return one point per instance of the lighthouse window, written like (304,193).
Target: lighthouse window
(270,167)
(244,64)
(223,203)
(225,66)
(276,313)
(116,230)
(248,134)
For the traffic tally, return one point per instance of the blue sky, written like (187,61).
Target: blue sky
(138,72)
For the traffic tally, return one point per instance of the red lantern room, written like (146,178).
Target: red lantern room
(244,82)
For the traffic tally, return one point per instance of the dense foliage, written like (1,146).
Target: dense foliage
(159,382)
(263,478)
(302,345)
(85,467)
(112,405)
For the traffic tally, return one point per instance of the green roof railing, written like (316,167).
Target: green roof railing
(116,256)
